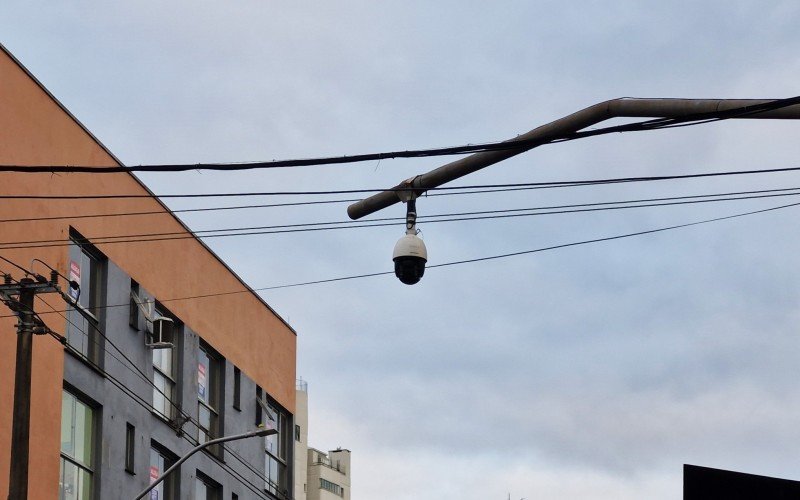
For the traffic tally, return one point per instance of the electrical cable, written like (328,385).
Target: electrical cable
(430,219)
(566,245)
(493,187)
(61,217)
(185,210)
(653,124)
(27,272)
(610,238)
(542,249)
(479,259)
(508,188)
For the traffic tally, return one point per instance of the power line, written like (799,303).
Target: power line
(477,189)
(27,273)
(493,187)
(536,250)
(478,259)
(654,124)
(617,237)
(431,219)
(185,210)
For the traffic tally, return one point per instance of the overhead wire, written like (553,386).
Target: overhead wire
(448,191)
(611,238)
(646,125)
(26,271)
(430,219)
(439,191)
(184,210)
(548,248)
(478,259)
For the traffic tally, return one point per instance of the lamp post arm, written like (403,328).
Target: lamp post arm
(615,108)
(224,439)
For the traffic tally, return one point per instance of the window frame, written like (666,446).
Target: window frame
(134,313)
(171,483)
(130,448)
(77,324)
(282,458)
(171,381)
(331,487)
(213,488)
(237,388)
(65,457)
(214,388)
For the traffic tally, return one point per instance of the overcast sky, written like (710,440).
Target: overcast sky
(587,372)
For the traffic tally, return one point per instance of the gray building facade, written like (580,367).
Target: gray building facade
(130,410)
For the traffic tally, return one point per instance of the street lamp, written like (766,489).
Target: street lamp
(256,433)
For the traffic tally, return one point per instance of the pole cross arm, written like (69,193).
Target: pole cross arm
(617,108)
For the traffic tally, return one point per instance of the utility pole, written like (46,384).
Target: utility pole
(19,297)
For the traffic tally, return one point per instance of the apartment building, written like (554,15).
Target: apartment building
(172,348)
(318,475)
(328,474)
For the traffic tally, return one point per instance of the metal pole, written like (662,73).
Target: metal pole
(224,439)
(21,426)
(616,108)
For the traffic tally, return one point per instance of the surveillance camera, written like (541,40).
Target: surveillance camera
(410,256)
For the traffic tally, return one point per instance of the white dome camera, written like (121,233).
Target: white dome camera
(410,254)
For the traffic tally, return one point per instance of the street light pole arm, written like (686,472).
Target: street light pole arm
(224,439)
(616,108)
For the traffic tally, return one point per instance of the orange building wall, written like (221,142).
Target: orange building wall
(35,130)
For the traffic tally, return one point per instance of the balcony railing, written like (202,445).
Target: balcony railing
(328,463)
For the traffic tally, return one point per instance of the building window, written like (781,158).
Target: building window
(77,443)
(206,489)
(130,448)
(297,433)
(87,267)
(237,388)
(161,460)
(133,314)
(164,378)
(332,487)
(209,385)
(259,411)
(277,450)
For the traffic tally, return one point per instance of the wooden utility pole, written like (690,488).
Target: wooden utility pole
(19,297)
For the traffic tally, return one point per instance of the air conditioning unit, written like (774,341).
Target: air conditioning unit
(163,333)
(161,329)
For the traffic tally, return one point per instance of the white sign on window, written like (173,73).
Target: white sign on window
(74,275)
